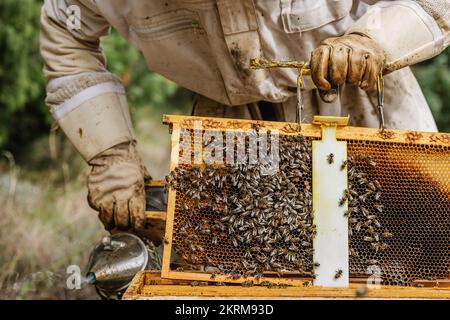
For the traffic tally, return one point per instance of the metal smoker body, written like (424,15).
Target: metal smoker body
(114,262)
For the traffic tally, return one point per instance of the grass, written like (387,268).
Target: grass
(46,224)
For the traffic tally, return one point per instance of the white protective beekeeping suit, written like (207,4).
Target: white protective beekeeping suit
(206,46)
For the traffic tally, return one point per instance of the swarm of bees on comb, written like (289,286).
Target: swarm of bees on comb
(364,207)
(267,218)
(234,221)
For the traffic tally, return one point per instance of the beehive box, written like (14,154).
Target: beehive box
(398,198)
(150,285)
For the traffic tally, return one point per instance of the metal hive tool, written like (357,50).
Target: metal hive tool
(398,199)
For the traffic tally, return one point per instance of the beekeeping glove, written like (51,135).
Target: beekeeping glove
(389,36)
(116,187)
(92,110)
(352,58)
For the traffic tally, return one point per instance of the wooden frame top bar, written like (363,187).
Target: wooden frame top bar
(311,130)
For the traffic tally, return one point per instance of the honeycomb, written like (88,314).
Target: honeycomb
(221,226)
(231,220)
(415,183)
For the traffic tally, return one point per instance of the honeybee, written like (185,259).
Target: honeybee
(372,186)
(353,220)
(330,158)
(205,232)
(386,234)
(338,274)
(353,253)
(370,162)
(376,246)
(376,223)
(365,211)
(377,184)
(342,201)
(379,207)
(377,196)
(247,283)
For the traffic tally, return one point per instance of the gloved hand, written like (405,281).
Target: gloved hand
(352,58)
(116,187)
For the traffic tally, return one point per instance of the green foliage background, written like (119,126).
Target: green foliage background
(24,116)
(22,111)
(434,78)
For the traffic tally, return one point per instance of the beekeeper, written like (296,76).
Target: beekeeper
(206,46)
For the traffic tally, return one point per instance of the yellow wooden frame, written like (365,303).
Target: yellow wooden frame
(150,285)
(176,122)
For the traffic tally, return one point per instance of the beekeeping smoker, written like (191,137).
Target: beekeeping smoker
(206,46)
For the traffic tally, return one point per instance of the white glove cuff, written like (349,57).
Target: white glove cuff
(92,111)
(406,32)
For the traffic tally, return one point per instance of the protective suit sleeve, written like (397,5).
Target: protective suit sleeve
(408,31)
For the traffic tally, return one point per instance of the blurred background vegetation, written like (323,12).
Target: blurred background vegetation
(45,223)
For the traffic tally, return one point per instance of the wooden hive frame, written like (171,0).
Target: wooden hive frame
(176,123)
(151,285)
